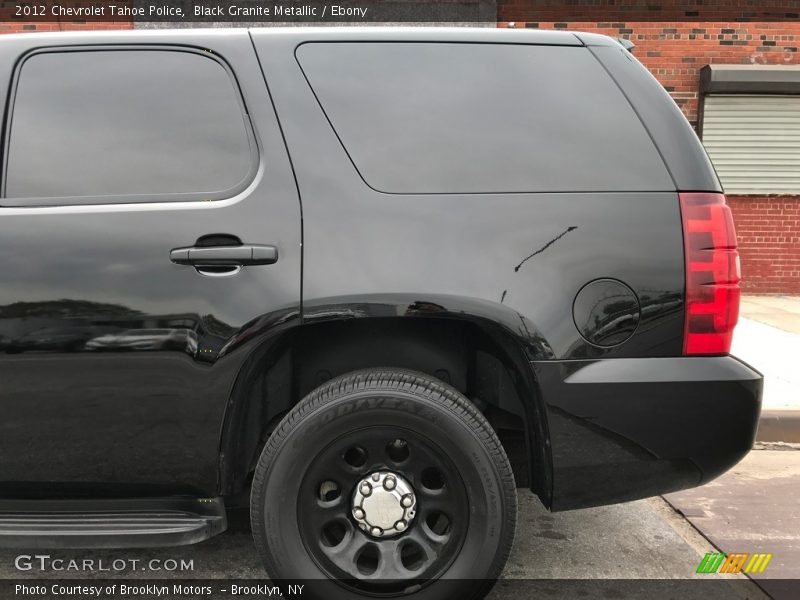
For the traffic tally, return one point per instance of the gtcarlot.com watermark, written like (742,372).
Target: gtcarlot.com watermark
(46,562)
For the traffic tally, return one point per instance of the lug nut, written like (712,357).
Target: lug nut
(407,500)
(358,513)
(366,489)
(376,476)
(376,531)
(389,483)
(400,525)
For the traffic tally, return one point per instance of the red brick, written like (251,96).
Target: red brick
(769,247)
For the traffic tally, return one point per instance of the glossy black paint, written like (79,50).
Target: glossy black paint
(134,414)
(137,413)
(636,427)
(516,253)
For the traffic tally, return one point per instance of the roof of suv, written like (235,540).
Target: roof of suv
(440,34)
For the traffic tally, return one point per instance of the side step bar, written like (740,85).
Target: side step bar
(112,523)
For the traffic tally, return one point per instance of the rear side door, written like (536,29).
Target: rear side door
(149,221)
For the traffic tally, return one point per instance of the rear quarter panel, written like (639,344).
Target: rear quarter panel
(525,254)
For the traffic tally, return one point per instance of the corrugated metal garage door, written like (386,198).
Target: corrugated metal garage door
(754,142)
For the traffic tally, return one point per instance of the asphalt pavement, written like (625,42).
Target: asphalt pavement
(754,508)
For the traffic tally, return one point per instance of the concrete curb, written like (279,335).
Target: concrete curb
(779,426)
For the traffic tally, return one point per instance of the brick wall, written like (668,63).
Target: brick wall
(13,27)
(768,229)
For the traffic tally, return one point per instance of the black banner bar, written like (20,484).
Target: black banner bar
(712,587)
(397,11)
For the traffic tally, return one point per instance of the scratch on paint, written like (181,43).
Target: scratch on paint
(546,246)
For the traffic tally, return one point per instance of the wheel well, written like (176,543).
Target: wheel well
(458,352)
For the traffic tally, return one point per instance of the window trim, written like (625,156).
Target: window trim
(112,200)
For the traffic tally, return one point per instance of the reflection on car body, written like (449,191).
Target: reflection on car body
(146,339)
(58,339)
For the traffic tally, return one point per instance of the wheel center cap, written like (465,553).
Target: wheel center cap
(384,504)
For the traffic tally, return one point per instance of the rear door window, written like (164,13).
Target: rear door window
(433,118)
(126,125)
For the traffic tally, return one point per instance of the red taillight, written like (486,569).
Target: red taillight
(712,273)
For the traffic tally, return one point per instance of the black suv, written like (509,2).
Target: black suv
(375,278)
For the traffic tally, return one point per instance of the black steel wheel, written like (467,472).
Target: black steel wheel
(384,483)
(417,545)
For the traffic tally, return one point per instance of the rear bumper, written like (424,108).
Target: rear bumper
(623,429)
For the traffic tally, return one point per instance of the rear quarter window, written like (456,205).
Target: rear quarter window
(427,118)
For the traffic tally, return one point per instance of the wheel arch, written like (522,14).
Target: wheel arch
(477,345)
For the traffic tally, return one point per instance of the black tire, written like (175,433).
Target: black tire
(296,519)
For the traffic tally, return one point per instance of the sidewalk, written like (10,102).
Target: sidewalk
(768,338)
(753,508)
